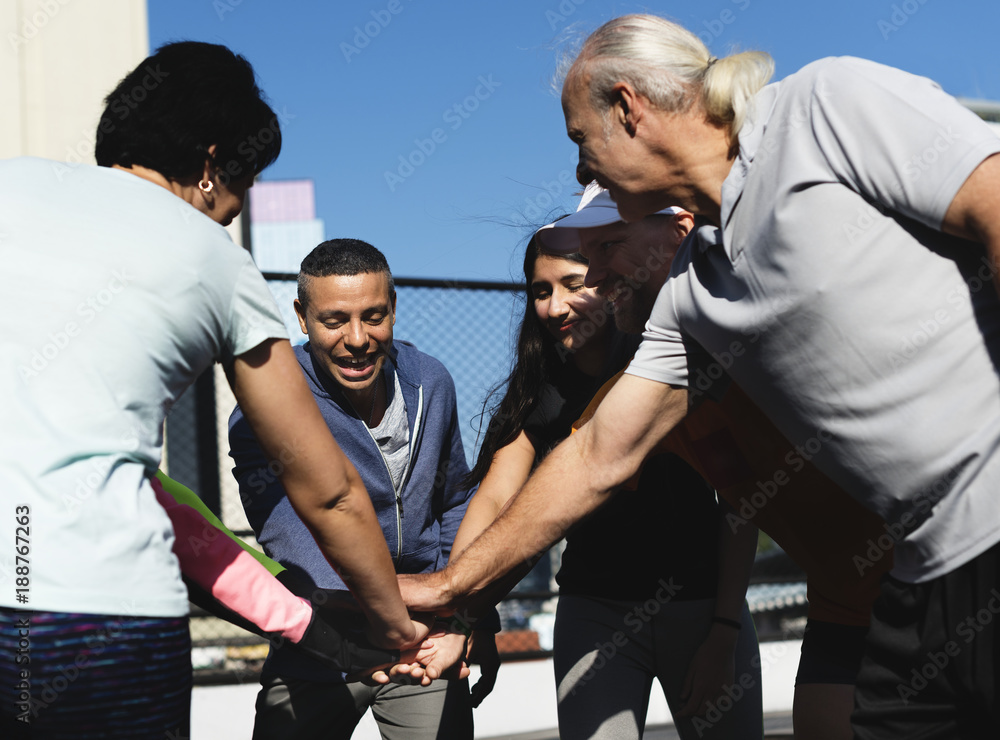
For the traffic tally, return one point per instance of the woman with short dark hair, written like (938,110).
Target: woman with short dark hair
(169,111)
(142,291)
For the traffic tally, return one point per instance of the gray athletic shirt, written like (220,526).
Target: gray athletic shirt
(392,435)
(867,335)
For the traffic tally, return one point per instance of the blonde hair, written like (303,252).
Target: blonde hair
(670,66)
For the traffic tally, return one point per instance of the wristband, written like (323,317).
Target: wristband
(457,624)
(728,622)
(325,642)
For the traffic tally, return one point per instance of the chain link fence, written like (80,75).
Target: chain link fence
(469,327)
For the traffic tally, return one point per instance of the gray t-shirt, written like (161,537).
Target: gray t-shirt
(392,435)
(869,337)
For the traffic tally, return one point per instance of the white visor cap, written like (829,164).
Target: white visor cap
(596,209)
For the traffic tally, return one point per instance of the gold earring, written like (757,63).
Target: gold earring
(206,186)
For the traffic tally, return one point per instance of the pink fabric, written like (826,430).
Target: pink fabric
(231,574)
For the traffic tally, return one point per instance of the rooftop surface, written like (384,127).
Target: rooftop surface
(521,707)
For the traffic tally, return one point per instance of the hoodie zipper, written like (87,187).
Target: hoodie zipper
(406,471)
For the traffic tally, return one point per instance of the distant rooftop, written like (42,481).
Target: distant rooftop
(988,110)
(282,201)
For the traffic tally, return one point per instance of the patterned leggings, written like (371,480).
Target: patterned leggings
(95,676)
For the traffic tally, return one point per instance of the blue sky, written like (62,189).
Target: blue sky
(431,128)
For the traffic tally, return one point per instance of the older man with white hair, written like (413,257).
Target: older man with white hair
(847,279)
(754,468)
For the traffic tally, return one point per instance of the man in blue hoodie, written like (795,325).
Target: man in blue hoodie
(392,410)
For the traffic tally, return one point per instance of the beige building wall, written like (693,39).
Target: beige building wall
(58,60)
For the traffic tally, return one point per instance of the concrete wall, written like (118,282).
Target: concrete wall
(58,60)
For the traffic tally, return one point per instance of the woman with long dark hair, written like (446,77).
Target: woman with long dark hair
(566,337)
(638,578)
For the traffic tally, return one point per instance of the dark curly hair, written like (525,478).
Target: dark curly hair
(177,103)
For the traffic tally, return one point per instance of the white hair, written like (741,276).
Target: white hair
(672,68)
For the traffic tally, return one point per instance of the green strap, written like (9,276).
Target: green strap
(184,495)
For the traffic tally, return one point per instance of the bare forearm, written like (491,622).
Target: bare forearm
(321,484)
(479,515)
(508,472)
(555,497)
(573,481)
(737,547)
(347,532)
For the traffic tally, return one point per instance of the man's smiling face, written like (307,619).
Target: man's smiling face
(349,320)
(629,262)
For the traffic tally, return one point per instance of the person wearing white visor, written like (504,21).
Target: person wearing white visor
(638,271)
(651,588)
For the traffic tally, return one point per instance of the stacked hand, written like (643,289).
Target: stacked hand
(444,653)
(426,592)
(439,655)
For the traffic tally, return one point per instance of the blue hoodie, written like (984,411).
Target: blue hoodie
(419,528)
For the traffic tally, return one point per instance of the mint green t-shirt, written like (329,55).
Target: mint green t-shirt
(117,295)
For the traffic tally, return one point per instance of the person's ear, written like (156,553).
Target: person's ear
(300,313)
(685,223)
(394,308)
(206,185)
(628,107)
